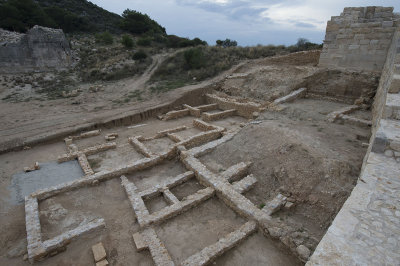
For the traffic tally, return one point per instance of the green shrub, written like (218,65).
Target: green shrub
(127,41)
(144,41)
(226,43)
(194,58)
(139,55)
(104,38)
(138,23)
(174,41)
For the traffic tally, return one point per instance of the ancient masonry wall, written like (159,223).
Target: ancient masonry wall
(359,38)
(366,231)
(40,48)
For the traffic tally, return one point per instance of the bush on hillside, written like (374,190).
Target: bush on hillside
(194,58)
(174,41)
(127,41)
(104,38)
(144,41)
(68,15)
(138,23)
(66,20)
(304,45)
(226,43)
(21,15)
(139,55)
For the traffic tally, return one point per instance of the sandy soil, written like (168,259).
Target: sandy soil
(297,153)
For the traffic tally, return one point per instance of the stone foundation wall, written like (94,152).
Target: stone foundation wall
(359,38)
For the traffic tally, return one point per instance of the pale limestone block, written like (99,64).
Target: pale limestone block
(102,263)
(140,242)
(99,253)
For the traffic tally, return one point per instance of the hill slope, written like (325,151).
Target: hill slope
(71,16)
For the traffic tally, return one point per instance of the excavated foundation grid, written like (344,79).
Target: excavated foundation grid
(227,186)
(228,106)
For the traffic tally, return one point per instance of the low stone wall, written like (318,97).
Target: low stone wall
(359,38)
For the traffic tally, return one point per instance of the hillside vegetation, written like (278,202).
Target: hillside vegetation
(203,62)
(111,47)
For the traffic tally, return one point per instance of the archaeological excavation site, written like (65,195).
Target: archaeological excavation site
(291,159)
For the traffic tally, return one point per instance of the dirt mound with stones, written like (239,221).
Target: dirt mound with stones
(344,85)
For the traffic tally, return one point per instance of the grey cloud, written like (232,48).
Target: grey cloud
(304,25)
(233,9)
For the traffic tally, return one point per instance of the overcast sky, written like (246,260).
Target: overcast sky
(250,22)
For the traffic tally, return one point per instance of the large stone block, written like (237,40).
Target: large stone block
(40,48)
(395,84)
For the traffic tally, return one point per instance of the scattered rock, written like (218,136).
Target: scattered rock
(139,242)
(275,204)
(99,253)
(288,205)
(72,93)
(111,136)
(313,199)
(275,232)
(35,166)
(389,153)
(102,263)
(55,213)
(73,148)
(303,252)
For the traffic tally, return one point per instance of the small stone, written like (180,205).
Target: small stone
(303,252)
(102,263)
(394,145)
(288,205)
(139,241)
(397,154)
(68,141)
(256,114)
(25,257)
(73,148)
(99,253)
(36,166)
(111,136)
(275,232)
(108,138)
(389,153)
(292,199)
(242,124)
(313,199)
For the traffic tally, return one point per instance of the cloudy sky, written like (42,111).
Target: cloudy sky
(250,22)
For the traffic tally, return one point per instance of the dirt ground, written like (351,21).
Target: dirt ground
(294,151)
(297,153)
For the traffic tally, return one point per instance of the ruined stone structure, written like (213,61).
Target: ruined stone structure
(39,49)
(366,230)
(359,38)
